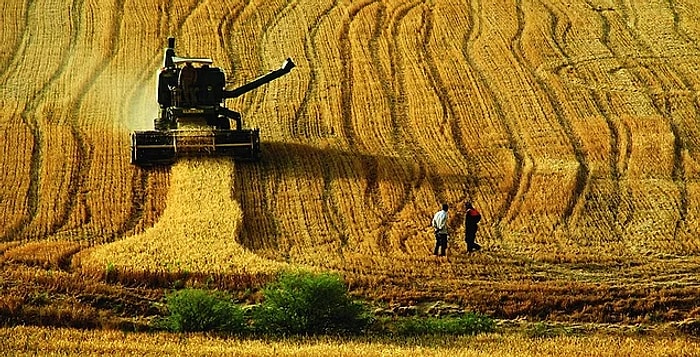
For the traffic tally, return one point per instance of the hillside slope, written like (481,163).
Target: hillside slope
(572,126)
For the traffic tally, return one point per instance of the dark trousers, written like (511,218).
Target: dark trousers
(470,238)
(440,242)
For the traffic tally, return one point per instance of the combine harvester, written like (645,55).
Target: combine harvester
(193,117)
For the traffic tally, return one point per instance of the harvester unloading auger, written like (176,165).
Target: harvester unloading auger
(193,119)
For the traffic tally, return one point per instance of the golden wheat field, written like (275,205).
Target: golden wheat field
(571,125)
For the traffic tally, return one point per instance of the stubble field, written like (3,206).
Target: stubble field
(572,126)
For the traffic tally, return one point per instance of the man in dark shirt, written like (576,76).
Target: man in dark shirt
(471,225)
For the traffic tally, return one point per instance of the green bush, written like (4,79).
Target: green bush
(305,303)
(202,310)
(469,324)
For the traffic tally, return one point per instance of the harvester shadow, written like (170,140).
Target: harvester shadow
(259,186)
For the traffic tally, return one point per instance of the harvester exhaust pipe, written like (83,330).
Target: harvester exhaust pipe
(169,54)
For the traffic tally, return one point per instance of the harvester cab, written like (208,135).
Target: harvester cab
(193,118)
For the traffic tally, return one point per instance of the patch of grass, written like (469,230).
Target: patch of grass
(302,303)
(468,324)
(111,273)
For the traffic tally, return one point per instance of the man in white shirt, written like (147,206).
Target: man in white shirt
(440,226)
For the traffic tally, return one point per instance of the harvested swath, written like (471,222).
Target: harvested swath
(196,233)
(46,254)
(15,186)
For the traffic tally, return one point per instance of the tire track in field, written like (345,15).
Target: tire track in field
(233,61)
(400,108)
(677,25)
(582,172)
(347,130)
(77,177)
(224,31)
(396,137)
(139,194)
(29,118)
(402,134)
(448,109)
(85,147)
(249,102)
(311,54)
(11,67)
(598,101)
(252,236)
(269,176)
(623,161)
(176,28)
(332,209)
(369,162)
(399,140)
(662,105)
(5,65)
(329,202)
(522,176)
(238,65)
(688,39)
(681,140)
(277,15)
(275,172)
